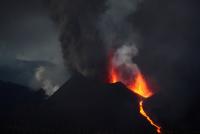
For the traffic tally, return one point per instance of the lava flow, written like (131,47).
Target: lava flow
(135,83)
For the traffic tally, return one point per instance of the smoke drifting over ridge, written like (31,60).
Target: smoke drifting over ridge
(89,29)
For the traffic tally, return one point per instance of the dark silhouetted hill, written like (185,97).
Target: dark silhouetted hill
(80,106)
(15,101)
(83,104)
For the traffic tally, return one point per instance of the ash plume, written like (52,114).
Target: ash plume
(114,24)
(89,29)
(122,61)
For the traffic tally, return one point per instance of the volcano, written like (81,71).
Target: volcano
(88,106)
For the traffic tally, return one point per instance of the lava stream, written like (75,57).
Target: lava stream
(148,118)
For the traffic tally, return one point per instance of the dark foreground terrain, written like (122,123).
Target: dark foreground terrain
(80,106)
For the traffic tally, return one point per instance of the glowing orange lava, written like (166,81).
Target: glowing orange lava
(148,118)
(138,85)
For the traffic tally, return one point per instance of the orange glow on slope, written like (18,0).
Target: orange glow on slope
(113,77)
(138,85)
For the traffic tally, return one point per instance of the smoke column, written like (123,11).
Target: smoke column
(90,29)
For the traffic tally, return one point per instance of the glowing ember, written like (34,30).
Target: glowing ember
(135,83)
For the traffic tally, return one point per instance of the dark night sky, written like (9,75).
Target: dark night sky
(29,40)
(168,52)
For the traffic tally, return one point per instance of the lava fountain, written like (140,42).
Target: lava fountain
(134,81)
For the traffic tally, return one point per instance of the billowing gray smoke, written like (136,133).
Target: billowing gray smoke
(89,29)
(114,24)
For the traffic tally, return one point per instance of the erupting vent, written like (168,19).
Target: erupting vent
(135,83)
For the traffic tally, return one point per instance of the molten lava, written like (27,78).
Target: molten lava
(135,83)
(140,87)
(148,118)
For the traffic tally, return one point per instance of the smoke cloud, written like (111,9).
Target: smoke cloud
(45,78)
(89,29)
(114,25)
(125,54)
